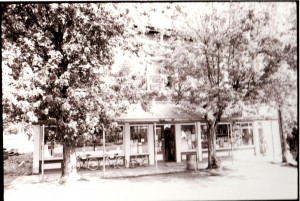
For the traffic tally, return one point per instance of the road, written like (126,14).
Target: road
(244,180)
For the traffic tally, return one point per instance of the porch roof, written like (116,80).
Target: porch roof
(160,111)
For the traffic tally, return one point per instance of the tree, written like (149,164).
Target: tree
(57,62)
(219,57)
(280,89)
(281,92)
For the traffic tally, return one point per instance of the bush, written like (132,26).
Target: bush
(18,165)
(292,140)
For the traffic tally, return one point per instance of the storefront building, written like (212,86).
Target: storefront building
(177,133)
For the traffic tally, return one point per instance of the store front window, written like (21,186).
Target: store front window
(52,145)
(204,134)
(138,139)
(113,141)
(246,134)
(188,137)
(242,134)
(223,135)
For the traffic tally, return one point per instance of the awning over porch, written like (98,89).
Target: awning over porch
(160,111)
(163,111)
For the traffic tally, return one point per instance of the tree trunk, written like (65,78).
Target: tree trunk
(69,172)
(282,138)
(213,162)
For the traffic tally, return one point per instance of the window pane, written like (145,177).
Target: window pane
(94,143)
(115,137)
(243,134)
(138,139)
(113,141)
(159,140)
(53,147)
(222,135)
(247,136)
(188,137)
(204,137)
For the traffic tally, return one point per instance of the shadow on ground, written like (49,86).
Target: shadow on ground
(189,176)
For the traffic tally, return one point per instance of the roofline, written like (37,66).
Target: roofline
(186,120)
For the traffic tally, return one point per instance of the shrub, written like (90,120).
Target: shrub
(18,165)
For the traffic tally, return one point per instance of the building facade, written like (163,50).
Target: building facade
(166,134)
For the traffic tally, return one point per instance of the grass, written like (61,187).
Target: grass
(18,165)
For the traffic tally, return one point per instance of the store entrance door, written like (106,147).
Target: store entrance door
(169,141)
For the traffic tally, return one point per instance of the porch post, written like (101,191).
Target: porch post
(127,143)
(37,141)
(43,150)
(178,142)
(155,146)
(199,141)
(256,143)
(150,144)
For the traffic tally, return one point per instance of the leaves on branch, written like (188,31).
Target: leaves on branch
(58,60)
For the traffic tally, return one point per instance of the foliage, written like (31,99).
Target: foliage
(57,66)
(281,93)
(57,55)
(220,57)
(293,137)
(280,89)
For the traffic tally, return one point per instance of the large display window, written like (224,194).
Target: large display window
(52,144)
(188,137)
(113,141)
(138,139)
(244,134)
(204,141)
(222,135)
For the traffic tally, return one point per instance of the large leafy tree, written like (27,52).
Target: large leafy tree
(280,89)
(219,57)
(281,93)
(56,68)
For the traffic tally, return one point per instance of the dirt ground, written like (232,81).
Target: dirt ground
(8,180)
(16,166)
(246,180)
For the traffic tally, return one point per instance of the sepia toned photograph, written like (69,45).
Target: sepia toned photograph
(150,100)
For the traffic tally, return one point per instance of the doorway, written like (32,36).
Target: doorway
(166,142)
